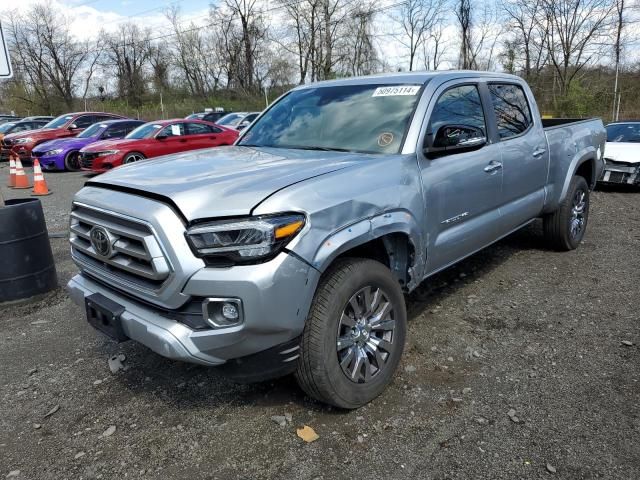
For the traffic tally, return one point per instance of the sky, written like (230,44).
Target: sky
(92,15)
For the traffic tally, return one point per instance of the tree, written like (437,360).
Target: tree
(127,52)
(417,19)
(49,58)
(574,31)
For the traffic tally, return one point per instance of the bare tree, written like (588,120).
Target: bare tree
(127,52)
(49,57)
(463,15)
(417,18)
(574,30)
(433,48)
(529,40)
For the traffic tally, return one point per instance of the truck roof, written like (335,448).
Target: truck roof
(410,77)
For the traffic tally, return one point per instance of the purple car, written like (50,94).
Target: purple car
(62,154)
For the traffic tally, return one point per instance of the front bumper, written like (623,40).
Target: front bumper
(621,173)
(55,162)
(276,297)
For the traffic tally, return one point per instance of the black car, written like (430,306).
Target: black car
(208,116)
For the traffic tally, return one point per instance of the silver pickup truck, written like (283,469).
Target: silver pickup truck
(290,251)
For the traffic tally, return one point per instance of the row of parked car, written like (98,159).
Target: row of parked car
(98,141)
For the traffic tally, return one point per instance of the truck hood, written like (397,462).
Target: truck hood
(628,152)
(112,144)
(224,181)
(72,143)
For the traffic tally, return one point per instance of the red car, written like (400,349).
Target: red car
(68,125)
(154,139)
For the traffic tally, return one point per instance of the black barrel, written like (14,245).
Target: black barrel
(26,261)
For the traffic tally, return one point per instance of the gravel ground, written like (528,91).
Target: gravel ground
(515,367)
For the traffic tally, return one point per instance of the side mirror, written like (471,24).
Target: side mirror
(455,138)
(243,125)
(161,136)
(73,126)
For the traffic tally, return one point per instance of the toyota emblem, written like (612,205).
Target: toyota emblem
(100,241)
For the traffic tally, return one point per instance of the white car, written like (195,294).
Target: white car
(622,153)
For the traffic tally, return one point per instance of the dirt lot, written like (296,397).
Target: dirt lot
(515,327)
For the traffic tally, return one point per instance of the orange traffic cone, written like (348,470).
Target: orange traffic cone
(12,171)
(39,185)
(21,180)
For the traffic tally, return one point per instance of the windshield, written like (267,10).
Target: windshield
(93,131)
(231,119)
(58,122)
(195,115)
(359,118)
(623,132)
(5,127)
(147,130)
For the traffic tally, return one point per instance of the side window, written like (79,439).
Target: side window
(175,130)
(513,114)
(20,127)
(115,131)
(198,128)
(84,121)
(130,127)
(216,130)
(456,117)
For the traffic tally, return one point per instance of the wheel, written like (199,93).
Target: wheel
(133,157)
(354,335)
(72,161)
(565,228)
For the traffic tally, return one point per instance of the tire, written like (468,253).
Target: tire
(319,372)
(564,229)
(132,157)
(72,161)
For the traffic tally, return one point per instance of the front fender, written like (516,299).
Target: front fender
(365,230)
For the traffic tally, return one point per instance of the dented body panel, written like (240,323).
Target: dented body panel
(418,213)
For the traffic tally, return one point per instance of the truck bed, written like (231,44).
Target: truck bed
(548,123)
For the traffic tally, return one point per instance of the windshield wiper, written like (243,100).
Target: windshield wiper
(319,148)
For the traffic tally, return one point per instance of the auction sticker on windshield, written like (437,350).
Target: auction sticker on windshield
(396,90)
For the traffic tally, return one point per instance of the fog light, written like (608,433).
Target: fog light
(230,311)
(222,312)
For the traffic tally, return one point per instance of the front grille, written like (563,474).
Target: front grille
(135,257)
(7,143)
(86,159)
(616,177)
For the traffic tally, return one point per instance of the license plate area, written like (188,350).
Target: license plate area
(104,314)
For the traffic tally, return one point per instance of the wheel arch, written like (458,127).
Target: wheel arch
(391,238)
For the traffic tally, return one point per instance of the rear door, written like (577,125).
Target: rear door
(462,191)
(524,153)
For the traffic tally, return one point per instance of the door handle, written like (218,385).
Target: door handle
(538,152)
(183,140)
(493,166)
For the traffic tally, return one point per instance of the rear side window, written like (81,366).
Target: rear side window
(458,106)
(116,131)
(198,128)
(513,114)
(84,121)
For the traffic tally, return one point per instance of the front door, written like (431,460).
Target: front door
(462,190)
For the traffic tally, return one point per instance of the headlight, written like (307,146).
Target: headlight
(53,152)
(24,140)
(106,153)
(245,240)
